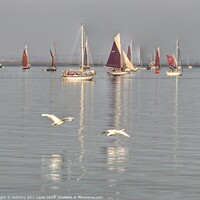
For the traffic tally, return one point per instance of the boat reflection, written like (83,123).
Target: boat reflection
(176,117)
(81,136)
(115,96)
(117,158)
(51,168)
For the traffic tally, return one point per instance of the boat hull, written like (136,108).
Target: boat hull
(77,78)
(51,70)
(174,73)
(24,68)
(117,73)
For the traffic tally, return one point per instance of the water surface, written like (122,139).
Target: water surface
(159,161)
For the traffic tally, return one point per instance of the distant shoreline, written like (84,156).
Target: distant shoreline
(40,63)
(43,63)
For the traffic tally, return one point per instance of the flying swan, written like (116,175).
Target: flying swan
(113,132)
(56,120)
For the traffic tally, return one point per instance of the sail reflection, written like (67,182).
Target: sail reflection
(176,117)
(81,136)
(117,158)
(52,167)
(80,93)
(116,100)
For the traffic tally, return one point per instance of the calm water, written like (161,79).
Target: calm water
(161,159)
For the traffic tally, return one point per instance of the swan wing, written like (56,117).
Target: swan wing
(123,133)
(52,117)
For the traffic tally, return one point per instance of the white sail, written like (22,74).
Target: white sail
(118,42)
(128,62)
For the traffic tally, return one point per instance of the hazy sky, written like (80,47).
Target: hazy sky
(149,23)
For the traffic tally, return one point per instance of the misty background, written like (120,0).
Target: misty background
(148,23)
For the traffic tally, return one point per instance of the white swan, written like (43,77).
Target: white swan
(56,120)
(113,132)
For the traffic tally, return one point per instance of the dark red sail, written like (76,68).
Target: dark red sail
(171,60)
(157,58)
(114,58)
(52,58)
(129,53)
(25,58)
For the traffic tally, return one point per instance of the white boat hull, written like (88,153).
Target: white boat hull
(117,73)
(77,78)
(174,73)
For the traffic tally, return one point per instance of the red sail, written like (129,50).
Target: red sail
(171,60)
(157,59)
(52,60)
(85,57)
(25,58)
(129,53)
(114,58)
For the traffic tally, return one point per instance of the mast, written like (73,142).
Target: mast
(178,56)
(82,50)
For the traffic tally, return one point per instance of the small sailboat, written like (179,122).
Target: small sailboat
(175,64)
(114,64)
(25,61)
(52,68)
(81,74)
(189,65)
(129,54)
(154,61)
(140,64)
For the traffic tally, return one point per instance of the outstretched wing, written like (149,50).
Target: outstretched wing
(52,117)
(123,133)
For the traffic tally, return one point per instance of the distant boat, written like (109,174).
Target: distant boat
(150,63)
(52,68)
(2,66)
(129,56)
(154,63)
(81,74)
(140,64)
(189,66)
(25,61)
(114,64)
(176,68)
